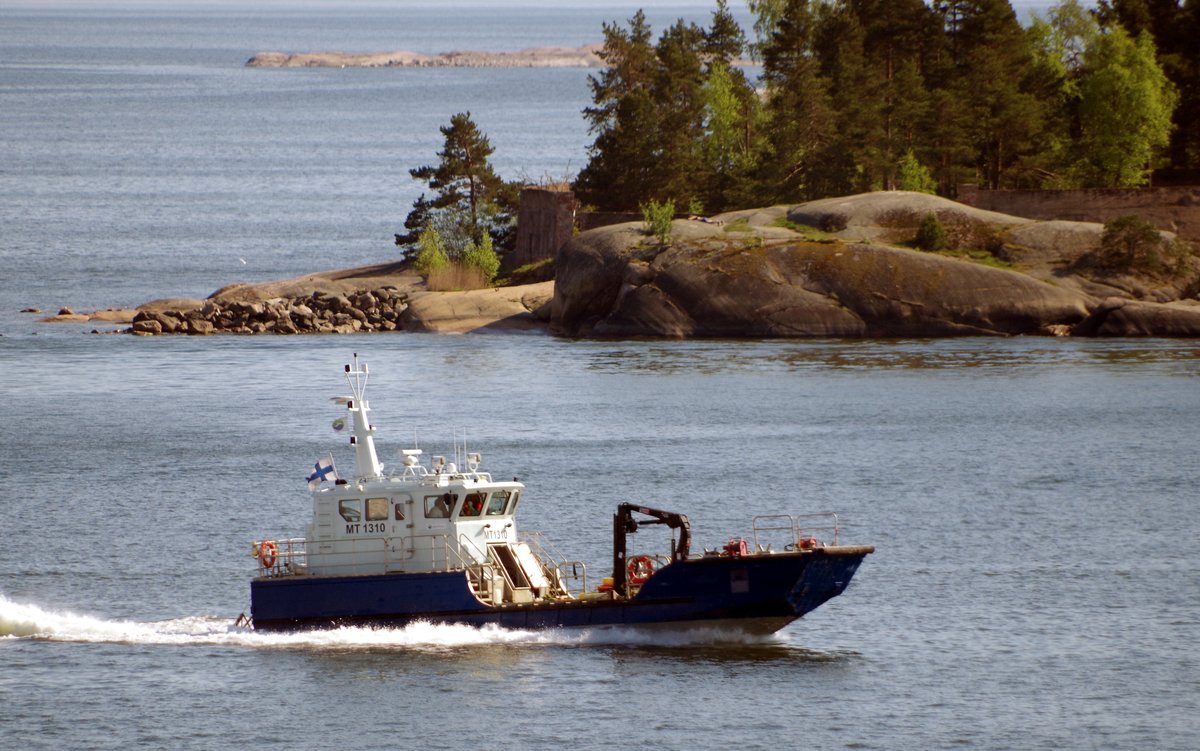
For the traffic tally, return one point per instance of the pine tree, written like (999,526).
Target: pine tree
(623,118)
(991,64)
(469,199)
(899,38)
(856,157)
(667,118)
(731,116)
(679,97)
(1185,74)
(800,113)
(724,41)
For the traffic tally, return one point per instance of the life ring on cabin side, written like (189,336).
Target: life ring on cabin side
(640,569)
(267,553)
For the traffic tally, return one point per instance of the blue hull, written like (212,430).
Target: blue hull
(755,593)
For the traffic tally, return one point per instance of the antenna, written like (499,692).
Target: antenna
(357,378)
(366,461)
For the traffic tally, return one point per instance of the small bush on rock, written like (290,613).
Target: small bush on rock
(431,252)
(658,218)
(1132,245)
(931,235)
(482,257)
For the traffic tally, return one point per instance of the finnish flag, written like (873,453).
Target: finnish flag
(322,471)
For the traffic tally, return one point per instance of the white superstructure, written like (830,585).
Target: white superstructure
(418,518)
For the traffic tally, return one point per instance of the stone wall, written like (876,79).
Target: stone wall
(1175,209)
(545,222)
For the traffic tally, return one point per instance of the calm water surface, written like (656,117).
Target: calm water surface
(1032,501)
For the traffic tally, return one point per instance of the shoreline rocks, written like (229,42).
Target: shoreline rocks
(320,312)
(378,309)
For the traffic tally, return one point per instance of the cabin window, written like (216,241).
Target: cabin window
(438,506)
(350,510)
(399,512)
(516,498)
(473,504)
(497,503)
(377,509)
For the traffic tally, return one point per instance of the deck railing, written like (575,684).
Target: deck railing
(290,557)
(437,552)
(787,532)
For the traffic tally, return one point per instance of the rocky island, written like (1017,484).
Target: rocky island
(536,57)
(838,267)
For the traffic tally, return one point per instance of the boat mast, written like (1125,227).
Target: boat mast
(366,461)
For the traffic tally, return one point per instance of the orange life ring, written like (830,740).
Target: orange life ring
(267,553)
(640,569)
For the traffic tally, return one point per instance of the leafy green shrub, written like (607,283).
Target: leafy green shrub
(431,252)
(1131,244)
(658,218)
(482,256)
(930,235)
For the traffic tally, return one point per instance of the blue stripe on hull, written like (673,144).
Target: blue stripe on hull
(757,589)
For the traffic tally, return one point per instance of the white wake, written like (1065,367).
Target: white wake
(26,621)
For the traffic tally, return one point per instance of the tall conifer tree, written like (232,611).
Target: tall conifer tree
(679,93)
(469,199)
(799,109)
(991,67)
(623,118)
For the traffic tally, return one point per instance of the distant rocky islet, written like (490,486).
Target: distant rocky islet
(586,56)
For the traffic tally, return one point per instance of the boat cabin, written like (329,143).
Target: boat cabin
(420,518)
(420,521)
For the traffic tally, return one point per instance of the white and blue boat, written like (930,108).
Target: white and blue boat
(435,541)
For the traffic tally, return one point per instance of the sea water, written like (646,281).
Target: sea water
(1032,501)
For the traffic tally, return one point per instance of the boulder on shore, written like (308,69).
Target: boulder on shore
(524,308)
